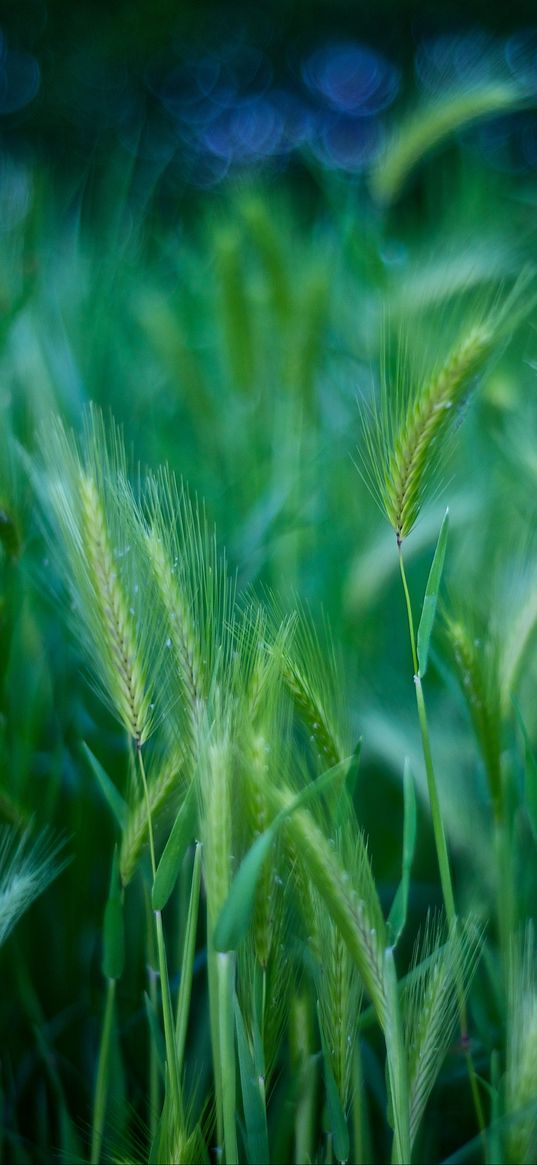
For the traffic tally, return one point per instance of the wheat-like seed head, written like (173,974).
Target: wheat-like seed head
(428,418)
(92,522)
(306,662)
(182,636)
(339,995)
(476,661)
(440,978)
(348,893)
(121,659)
(404,433)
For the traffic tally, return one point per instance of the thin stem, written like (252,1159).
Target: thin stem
(359,1113)
(212,975)
(101,1086)
(438,825)
(152,976)
(306,1068)
(440,843)
(225,969)
(410,616)
(148,810)
(436,814)
(167,1014)
(187,961)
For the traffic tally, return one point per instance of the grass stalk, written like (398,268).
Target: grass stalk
(101,1086)
(225,971)
(167,1014)
(187,962)
(306,1069)
(436,814)
(154,1082)
(440,843)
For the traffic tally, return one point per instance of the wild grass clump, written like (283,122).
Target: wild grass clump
(213,703)
(297,923)
(404,435)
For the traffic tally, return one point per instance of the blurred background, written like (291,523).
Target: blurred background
(216,221)
(199,91)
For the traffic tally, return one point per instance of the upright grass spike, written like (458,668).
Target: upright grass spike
(339,994)
(120,656)
(431,1006)
(308,666)
(477,664)
(405,432)
(86,496)
(348,892)
(196,593)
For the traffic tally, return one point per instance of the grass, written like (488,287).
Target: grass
(297,922)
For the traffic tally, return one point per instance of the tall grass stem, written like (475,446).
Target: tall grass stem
(101,1086)
(225,970)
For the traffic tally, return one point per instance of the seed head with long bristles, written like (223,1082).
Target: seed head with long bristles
(404,435)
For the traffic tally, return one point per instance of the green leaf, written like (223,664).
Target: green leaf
(113,929)
(114,799)
(187,960)
(253,1101)
(234,919)
(431,597)
(336,1114)
(398,912)
(174,851)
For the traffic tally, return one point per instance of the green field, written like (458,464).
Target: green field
(268,603)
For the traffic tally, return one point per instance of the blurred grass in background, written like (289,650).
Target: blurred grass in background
(206,229)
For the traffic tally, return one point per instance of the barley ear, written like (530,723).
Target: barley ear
(404,434)
(90,513)
(477,665)
(431,1002)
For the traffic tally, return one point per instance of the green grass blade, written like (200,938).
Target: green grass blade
(187,962)
(431,598)
(236,912)
(174,851)
(113,930)
(398,912)
(255,1116)
(234,918)
(111,795)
